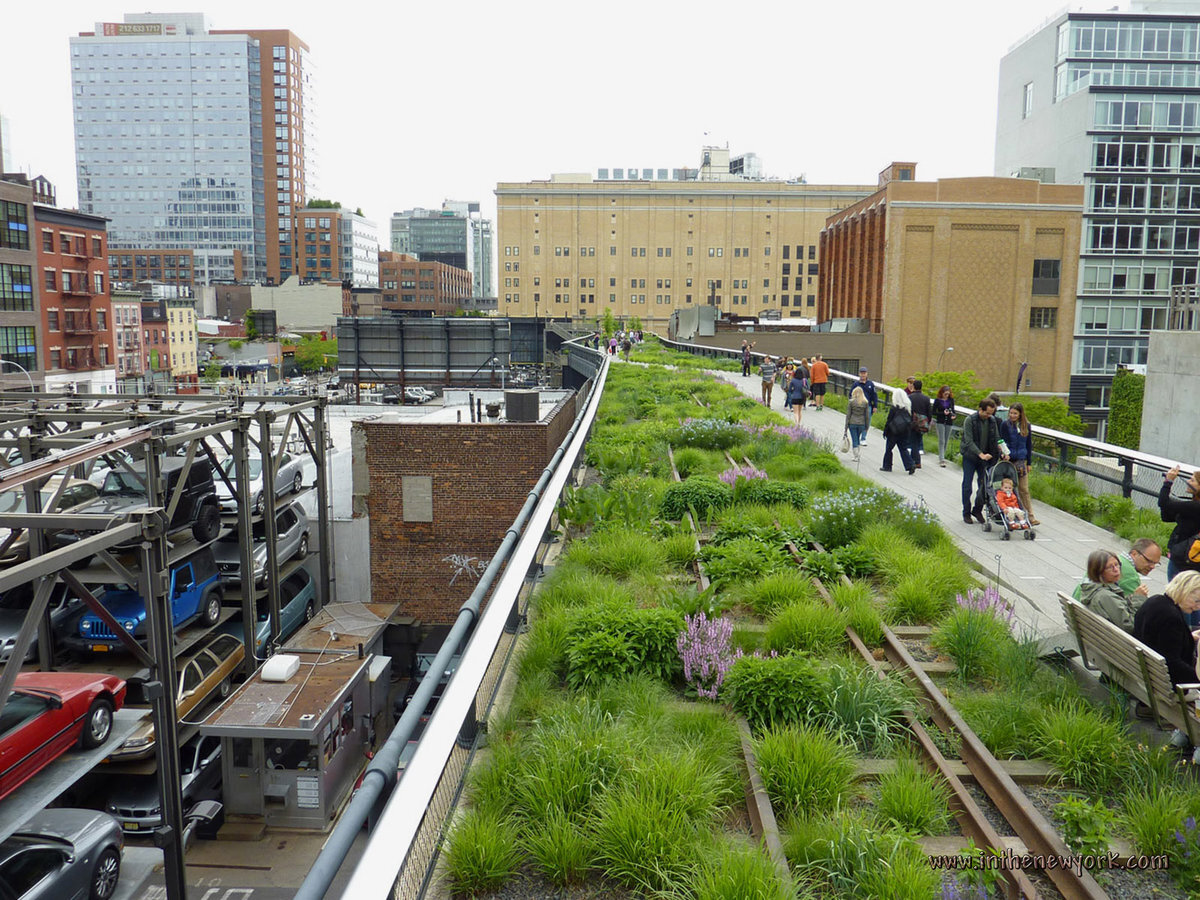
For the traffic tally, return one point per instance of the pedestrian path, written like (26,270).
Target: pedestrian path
(1030,572)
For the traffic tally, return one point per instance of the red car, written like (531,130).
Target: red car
(47,714)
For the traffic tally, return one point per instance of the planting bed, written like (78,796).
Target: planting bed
(617,769)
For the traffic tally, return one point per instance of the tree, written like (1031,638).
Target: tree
(635,323)
(323,204)
(1053,414)
(312,354)
(212,372)
(358,212)
(1125,409)
(610,323)
(251,323)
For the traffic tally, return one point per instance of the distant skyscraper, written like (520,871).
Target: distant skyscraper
(194,139)
(453,235)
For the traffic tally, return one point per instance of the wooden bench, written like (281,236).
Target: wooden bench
(1134,667)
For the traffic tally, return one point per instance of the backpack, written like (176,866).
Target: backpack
(921,423)
(899,423)
(1185,553)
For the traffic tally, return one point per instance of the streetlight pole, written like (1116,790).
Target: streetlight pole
(9,362)
(943,353)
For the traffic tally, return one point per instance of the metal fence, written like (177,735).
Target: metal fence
(408,822)
(1102,468)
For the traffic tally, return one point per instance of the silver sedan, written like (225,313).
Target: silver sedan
(289,477)
(62,854)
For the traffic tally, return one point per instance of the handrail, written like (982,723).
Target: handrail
(392,836)
(1064,442)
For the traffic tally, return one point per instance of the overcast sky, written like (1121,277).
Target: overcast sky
(424,101)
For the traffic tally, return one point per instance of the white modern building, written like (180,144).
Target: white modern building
(359,250)
(455,235)
(1110,100)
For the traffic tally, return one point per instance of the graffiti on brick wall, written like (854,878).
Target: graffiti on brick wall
(470,566)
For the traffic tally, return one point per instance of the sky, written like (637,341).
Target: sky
(423,101)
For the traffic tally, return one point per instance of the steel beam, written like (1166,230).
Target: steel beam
(42,468)
(50,563)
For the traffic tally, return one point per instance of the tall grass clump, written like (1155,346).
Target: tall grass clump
(738,872)
(850,856)
(866,710)
(766,595)
(619,552)
(1006,721)
(1087,749)
(1153,818)
(912,602)
(971,638)
(572,585)
(861,613)
(560,850)
(804,770)
(679,549)
(482,853)
(644,843)
(545,647)
(812,626)
(913,799)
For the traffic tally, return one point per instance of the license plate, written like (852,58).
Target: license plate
(100,648)
(131,826)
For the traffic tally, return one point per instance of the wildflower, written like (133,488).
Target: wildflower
(705,648)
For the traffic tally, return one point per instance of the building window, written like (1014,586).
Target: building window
(14,225)
(97,251)
(17,345)
(48,241)
(1043,317)
(52,320)
(1046,276)
(1027,100)
(16,287)
(51,280)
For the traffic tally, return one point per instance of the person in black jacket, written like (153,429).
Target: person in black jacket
(896,432)
(922,414)
(1162,625)
(980,447)
(1186,516)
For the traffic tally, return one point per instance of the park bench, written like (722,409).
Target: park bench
(1135,668)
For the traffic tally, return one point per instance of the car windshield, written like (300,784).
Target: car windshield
(122,483)
(228,467)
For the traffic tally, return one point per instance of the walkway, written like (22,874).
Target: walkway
(1032,572)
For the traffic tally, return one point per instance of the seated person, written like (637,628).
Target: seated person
(1101,594)
(1006,499)
(1162,625)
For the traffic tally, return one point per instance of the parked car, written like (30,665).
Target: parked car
(47,714)
(204,674)
(65,610)
(297,603)
(195,592)
(288,477)
(291,540)
(136,803)
(418,395)
(76,495)
(124,490)
(62,854)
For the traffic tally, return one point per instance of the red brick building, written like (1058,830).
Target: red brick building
(76,307)
(441,496)
(173,267)
(410,287)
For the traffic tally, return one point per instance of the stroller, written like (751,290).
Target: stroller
(995,514)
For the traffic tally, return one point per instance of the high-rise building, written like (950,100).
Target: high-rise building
(577,246)
(454,235)
(196,139)
(20,319)
(1108,100)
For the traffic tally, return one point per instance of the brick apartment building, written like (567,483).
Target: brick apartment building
(76,309)
(127,334)
(165,266)
(410,287)
(986,266)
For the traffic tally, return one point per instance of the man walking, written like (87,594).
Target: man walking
(922,417)
(818,377)
(767,372)
(746,358)
(980,445)
(868,389)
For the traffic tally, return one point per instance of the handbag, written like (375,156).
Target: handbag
(921,423)
(845,441)
(1185,553)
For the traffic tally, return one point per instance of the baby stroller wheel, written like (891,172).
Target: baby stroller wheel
(1006,536)
(987,523)
(1030,535)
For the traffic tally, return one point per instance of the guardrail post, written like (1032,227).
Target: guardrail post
(1062,456)
(1127,479)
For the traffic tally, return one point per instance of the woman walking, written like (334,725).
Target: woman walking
(943,420)
(1016,433)
(797,394)
(858,417)
(896,432)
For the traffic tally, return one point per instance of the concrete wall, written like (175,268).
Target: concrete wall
(1171,410)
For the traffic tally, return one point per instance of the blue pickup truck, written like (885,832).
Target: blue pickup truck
(194,592)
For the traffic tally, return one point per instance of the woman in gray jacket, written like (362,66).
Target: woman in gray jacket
(858,418)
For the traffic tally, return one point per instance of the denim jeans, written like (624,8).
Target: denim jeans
(902,446)
(973,468)
(857,433)
(916,443)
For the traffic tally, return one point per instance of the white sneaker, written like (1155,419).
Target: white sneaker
(1179,739)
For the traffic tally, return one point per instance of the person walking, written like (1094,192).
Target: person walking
(858,419)
(980,446)
(896,431)
(746,347)
(767,372)
(797,394)
(818,374)
(922,420)
(943,419)
(1018,437)
(868,389)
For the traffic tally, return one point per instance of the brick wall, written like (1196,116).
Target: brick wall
(481,476)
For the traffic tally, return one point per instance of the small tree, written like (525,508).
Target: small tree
(251,323)
(635,324)
(212,372)
(610,323)
(1125,409)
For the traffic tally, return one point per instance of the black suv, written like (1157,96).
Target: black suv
(197,509)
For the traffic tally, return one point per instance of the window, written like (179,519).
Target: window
(96,248)
(51,280)
(52,320)
(64,244)
(18,345)
(14,225)
(1043,317)
(48,241)
(16,288)
(1046,276)
(1027,100)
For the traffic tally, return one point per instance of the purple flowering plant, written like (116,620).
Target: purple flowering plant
(731,475)
(986,601)
(707,651)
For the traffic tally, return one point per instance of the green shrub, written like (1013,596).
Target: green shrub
(702,493)
(1125,409)
(1086,825)
(804,770)
(772,592)
(481,853)
(763,490)
(855,561)
(823,566)
(808,626)
(1087,749)
(914,800)
(740,560)
(838,519)
(614,641)
(867,710)
(971,637)
(774,690)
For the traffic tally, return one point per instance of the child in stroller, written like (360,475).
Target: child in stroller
(1003,503)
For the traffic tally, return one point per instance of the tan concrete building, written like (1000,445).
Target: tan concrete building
(575,246)
(986,266)
(181,320)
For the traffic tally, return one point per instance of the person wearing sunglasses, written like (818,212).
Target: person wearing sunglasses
(1143,558)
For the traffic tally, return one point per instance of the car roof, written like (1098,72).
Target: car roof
(61,824)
